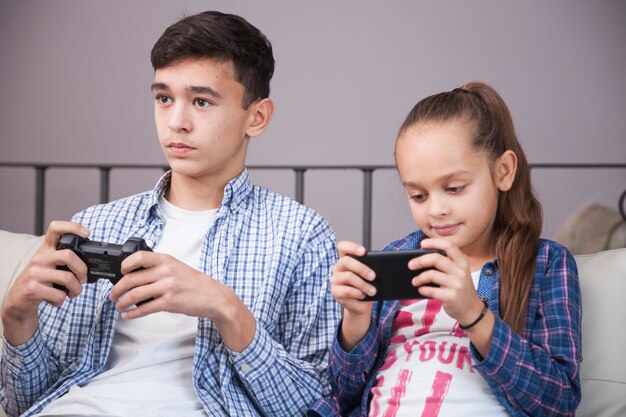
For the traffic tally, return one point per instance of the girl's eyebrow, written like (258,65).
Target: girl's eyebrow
(443,178)
(455,174)
(409,184)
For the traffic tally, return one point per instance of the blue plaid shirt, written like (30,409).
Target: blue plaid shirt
(274,253)
(536,374)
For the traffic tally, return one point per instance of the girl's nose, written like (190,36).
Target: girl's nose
(438,206)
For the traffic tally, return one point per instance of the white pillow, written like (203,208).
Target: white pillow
(603,371)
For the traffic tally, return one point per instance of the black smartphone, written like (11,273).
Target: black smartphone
(393,276)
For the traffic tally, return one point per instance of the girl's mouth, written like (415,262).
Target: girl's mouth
(446,229)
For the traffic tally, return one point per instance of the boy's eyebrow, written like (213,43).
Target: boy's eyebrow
(203,90)
(159,86)
(193,89)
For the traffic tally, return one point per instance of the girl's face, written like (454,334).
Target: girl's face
(452,192)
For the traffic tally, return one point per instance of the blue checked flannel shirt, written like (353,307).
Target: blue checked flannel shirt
(536,374)
(274,253)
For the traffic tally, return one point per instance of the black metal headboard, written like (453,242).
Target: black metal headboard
(299,171)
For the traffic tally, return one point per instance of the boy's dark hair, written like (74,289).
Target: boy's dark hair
(222,37)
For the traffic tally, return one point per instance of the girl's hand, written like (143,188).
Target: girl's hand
(451,273)
(350,279)
(349,285)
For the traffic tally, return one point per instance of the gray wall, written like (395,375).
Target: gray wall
(76,75)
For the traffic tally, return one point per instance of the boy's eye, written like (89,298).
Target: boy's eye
(200,102)
(418,197)
(163,99)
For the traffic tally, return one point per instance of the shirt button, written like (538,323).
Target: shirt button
(488,272)
(245,368)
(16,361)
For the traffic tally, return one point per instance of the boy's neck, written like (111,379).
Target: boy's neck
(196,194)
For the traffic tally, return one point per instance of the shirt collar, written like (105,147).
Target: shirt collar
(235,193)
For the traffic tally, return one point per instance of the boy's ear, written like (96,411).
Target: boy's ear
(261,113)
(506,166)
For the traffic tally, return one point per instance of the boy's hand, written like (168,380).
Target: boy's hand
(349,285)
(167,284)
(35,284)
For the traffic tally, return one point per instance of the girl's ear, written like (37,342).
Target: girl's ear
(261,113)
(506,166)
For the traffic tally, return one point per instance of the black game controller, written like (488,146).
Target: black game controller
(103,260)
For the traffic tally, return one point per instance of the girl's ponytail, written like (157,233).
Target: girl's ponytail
(519,218)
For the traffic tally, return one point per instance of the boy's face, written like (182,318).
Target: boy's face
(201,124)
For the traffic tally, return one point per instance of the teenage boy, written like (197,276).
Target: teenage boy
(239,315)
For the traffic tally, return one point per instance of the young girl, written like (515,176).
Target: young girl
(500,334)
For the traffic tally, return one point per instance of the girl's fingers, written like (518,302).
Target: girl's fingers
(431,276)
(345,294)
(346,247)
(350,264)
(453,262)
(347,279)
(451,250)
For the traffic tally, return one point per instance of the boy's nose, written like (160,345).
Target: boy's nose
(179,120)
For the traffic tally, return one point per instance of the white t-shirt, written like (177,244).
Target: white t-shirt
(428,368)
(148,372)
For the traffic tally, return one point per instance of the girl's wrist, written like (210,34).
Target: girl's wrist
(479,317)
(481,332)
(353,329)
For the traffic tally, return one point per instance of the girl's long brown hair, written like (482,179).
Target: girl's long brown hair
(519,219)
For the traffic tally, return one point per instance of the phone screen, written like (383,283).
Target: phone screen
(393,276)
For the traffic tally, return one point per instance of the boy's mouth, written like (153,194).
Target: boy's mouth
(179,148)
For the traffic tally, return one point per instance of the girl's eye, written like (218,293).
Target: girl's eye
(200,102)
(163,99)
(418,197)
(456,190)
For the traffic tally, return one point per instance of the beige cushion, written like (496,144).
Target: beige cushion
(595,228)
(15,251)
(603,373)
